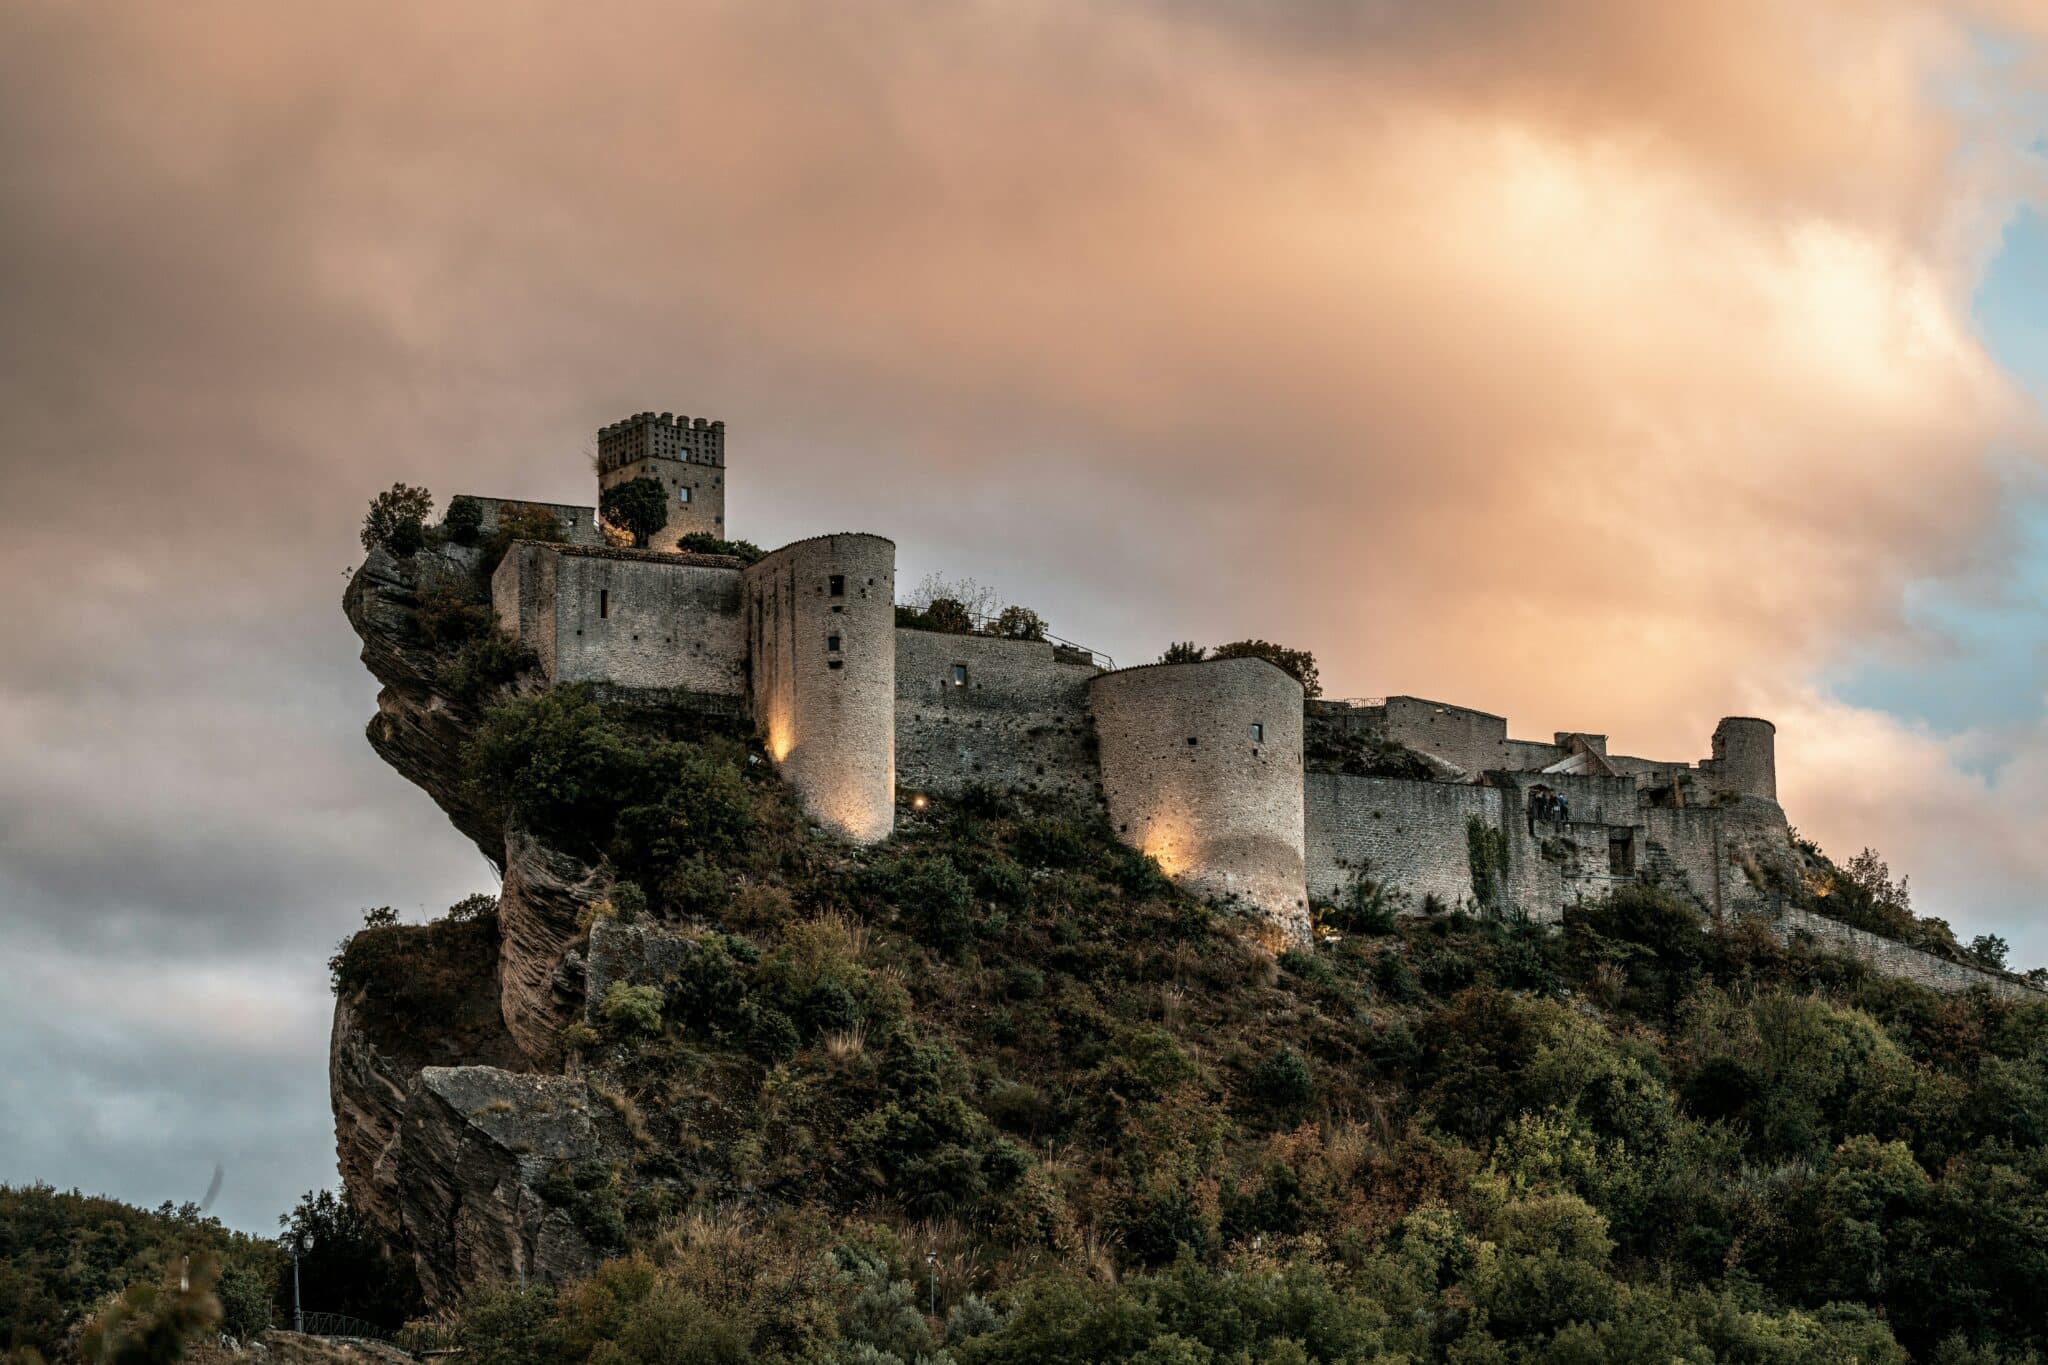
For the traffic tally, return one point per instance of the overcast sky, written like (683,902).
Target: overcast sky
(1612,366)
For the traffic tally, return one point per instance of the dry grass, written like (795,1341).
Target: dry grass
(847,1044)
(629,1113)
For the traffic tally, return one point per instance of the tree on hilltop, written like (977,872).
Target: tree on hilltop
(397,520)
(637,506)
(1297,662)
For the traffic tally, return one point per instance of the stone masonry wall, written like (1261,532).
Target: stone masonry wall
(821,637)
(644,620)
(579,524)
(1188,780)
(1017,722)
(705,511)
(1409,836)
(523,597)
(1892,959)
(1472,740)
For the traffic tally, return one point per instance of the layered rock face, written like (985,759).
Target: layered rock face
(418,729)
(452,1138)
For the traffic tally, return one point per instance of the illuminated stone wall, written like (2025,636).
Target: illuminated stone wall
(1188,780)
(632,618)
(821,644)
(1006,714)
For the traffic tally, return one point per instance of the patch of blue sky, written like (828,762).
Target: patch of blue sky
(1979,657)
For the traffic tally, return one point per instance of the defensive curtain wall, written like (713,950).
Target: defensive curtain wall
(1198,764)
(631,618)
(974,710)
(821,648)
(578,524)
(1201,768)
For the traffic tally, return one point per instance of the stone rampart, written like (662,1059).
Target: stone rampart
(1890,958)
(1410,837)
(629,618)
(821,644)
(1007,714)
(1201,768)
(655,621)
(1745,761)
(578,524)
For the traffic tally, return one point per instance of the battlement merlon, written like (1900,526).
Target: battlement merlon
(661,436)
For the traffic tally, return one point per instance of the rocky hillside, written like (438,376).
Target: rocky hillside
(709,1086)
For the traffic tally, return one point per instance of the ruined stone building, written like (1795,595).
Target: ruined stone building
(1206,766)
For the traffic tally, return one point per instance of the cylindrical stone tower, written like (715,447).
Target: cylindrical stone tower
(1746,757)
(1201,768)
(821,659)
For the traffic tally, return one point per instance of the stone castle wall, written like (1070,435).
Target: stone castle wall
(1890,958)
(523,596)
(649,621)
(628,618)
(975,710)
(1745,759)
(1188,780)
(821,644)
(703,514)
(579,524)
(1408,836)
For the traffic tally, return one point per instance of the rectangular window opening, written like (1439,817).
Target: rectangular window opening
(837,585)
(604,603)
(1258,732)
(682,495)
(832,643)
(1621,854)
(959,675)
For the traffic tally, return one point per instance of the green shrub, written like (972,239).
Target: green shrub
(1283,1080)
(517,521)
(638,507)
(397,520)
(931,895)
(444,615)
(483,666)
(704,543)
(1298,664)
(628,1010)
(481,905)
(463,519)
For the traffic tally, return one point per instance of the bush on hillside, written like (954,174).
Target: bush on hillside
(397,520)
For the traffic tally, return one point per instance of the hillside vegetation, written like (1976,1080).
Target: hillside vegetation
(995,1091)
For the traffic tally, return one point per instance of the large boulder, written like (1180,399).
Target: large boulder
(476,1170)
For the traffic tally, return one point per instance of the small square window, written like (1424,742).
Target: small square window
(1192,741)
(836,585)
(959,675)
(1258,733)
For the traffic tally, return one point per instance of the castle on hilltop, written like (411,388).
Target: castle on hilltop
(1221,769)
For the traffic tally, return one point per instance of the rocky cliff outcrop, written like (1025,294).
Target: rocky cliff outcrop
(418,729)
(482,1194)
(541,913)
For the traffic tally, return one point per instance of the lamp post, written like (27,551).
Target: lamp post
(300,1243)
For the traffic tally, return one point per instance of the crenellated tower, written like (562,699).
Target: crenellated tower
(686,456)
